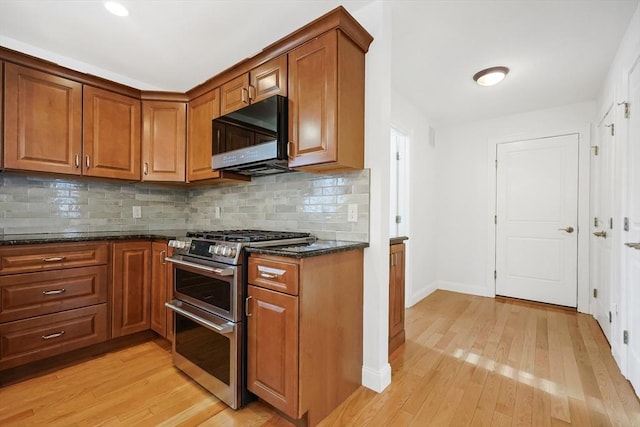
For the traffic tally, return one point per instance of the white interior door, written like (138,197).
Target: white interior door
(537,217)
(601,249)
(632,256)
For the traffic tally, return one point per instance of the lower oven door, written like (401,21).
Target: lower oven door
(207,348)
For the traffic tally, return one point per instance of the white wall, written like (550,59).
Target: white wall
(462,191)
(420,269)
(376,18)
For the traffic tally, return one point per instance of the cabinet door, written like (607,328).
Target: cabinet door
(202,111)
(234,94)
(164,141)
(159,278)
(396,296)
(43,119)
(269,79)
(272,358)
(313,102)
(131,287)
(111,135)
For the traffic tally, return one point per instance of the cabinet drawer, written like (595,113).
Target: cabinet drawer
(32,339)
(35,294)
(274,274)
(28,258)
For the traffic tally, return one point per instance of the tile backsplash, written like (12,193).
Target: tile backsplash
(293,201)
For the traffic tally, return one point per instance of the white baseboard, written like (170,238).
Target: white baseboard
(376,380)
(463,288)
(422,294)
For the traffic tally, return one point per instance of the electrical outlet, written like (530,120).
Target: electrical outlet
(352,213)
(216,212)
(137,212)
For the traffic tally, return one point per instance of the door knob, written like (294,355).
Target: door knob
(633,245)
(600,234)
(569,229)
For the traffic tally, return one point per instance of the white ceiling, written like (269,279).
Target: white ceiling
(558,50)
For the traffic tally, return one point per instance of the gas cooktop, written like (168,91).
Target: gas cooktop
(246,235)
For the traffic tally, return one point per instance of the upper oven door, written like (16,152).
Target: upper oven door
(213,287)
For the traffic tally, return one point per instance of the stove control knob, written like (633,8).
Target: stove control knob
(226,251)
(212,249)
(232,253)
(179,244)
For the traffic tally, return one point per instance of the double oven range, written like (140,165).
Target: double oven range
(209,325)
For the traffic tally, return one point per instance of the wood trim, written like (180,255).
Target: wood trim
(148,95)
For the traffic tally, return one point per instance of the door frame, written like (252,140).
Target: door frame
(584,151)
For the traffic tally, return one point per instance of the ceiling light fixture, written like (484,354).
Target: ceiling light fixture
(490,76)
(116,8)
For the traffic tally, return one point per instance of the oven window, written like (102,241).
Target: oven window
(206,289)
(204,347)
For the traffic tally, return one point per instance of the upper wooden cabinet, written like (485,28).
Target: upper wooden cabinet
(111,135)
(43,119)
(202,111)
(164,141)
(326,104)
(261,82)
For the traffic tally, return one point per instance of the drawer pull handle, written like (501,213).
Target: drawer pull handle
(246,306)
(54,335)
(54,291)
(270,273)
(53,259)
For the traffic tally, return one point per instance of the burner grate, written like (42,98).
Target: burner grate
(247,235)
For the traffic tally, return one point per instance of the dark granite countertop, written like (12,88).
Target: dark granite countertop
(38,238)
(317,248)
(398,239)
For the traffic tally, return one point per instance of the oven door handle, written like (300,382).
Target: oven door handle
(218,271)
(225,328)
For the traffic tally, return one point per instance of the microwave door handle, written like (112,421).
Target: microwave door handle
(221,329)
(218,271)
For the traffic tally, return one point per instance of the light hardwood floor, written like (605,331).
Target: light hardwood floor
(467,361)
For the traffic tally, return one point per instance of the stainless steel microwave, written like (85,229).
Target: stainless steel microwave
(253,140)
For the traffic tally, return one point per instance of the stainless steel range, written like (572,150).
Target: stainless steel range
(209,324)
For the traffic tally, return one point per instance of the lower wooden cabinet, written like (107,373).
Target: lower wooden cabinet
(36,338)
(131,270)
(304,331)
(396,297)
(161,290)
(272,349)
(35,294)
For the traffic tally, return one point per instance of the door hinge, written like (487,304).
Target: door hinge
(627,109)
(496,163)
(595,293)
(609,317)
(595,221)
(495,274)
(613,128)
(595,150)
(495,219)
(626,224)
(610,223)
(625,337)
(398,155)
(398,219)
